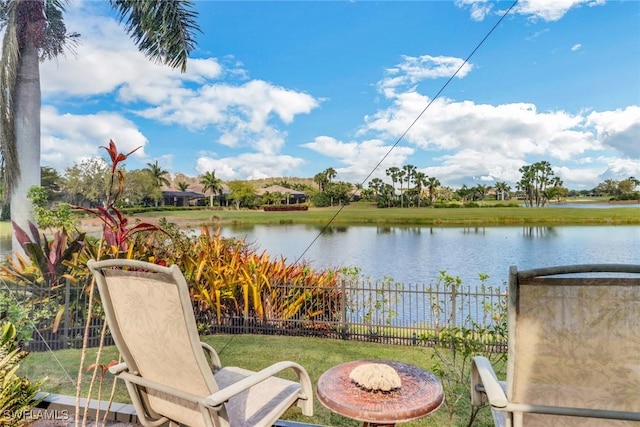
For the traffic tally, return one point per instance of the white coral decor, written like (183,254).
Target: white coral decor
(376,377)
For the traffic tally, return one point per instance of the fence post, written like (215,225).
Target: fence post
(343,308)
(67,311)
(454,313)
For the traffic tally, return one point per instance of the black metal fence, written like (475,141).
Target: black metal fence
(379,311)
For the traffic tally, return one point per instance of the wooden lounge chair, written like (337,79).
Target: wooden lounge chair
(574,349)
(165,368)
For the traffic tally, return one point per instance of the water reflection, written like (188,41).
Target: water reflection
(539,232)
(473,230)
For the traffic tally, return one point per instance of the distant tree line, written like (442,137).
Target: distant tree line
(85,184)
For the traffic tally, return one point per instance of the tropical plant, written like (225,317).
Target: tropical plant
(321,179)
(183,185)
(394,173)
(35,30)
(47,217)
(456,343)
(212,184)
(534,181)
(158,175)
(229,279)
(502,190)
(18,395)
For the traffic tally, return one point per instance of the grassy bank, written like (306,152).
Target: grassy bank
(256,352)
(365,213)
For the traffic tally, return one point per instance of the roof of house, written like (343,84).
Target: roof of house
(178,193)
(279,189)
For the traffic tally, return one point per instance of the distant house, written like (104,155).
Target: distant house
(171,197)
(290,197)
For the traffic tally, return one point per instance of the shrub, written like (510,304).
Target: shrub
(456,345)
(17,394)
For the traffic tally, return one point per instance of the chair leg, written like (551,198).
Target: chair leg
(306,405)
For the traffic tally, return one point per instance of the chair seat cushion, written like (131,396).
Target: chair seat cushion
(262,404)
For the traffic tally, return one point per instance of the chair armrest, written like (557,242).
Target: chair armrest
(485,385)
(223,395)
(117,369)
(218,398)
(215,359)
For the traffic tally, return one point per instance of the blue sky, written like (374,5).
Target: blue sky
(288,89)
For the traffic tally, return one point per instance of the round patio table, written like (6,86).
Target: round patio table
(419,395)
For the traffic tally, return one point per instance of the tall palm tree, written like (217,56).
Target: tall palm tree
(502,189)
(376,185)
(433,183)
(330,173)
(159,175)
(321,179)
(419,181)
(393,173)
(34,30)
(211,183)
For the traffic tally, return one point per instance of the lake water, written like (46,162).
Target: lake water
(417,254)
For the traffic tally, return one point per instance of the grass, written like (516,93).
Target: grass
(365,213)
(254,352)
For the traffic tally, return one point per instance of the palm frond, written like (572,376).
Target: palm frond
(162,30)
(57,40)
(8,75)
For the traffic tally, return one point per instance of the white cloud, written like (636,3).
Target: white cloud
(107,63)
(248,166)
(546,10)
(68,138)
(576,47)
(415,69)
(515,129)
(242,113)
(464,166)
(619,129)
(360,158)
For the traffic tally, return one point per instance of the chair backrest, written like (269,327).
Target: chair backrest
(574,340)
(151,319)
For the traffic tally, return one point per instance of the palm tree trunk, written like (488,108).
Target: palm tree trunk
(27,129)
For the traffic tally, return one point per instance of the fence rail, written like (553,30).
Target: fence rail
(378,311)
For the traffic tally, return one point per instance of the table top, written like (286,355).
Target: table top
(420,394)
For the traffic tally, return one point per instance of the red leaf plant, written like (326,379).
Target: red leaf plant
(116,230)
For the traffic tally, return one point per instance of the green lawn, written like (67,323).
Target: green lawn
(365,213)
(255,352)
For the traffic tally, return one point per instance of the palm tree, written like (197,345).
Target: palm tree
(330,173)
(393,173)
(419,182)
(376,185)
(159,175)
(34,30)
(409,170)
(321,179)
(183,185)
(502,189)
(432,183)
(211,183)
